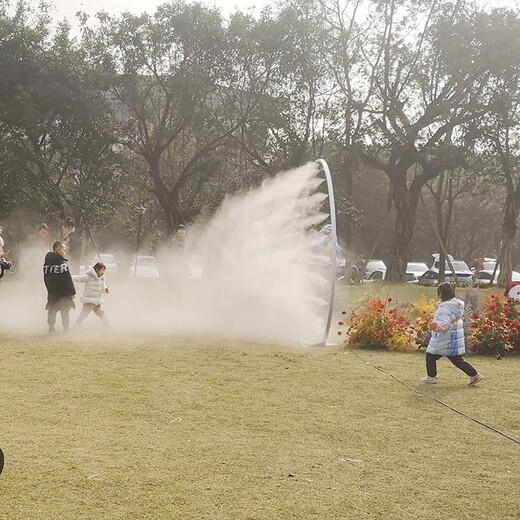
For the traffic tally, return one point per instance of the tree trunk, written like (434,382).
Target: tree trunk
(167,199)
(508,235)
(406,205)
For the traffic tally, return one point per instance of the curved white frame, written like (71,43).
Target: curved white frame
(334,238)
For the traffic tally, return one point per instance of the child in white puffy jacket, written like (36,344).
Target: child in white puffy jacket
(92,299)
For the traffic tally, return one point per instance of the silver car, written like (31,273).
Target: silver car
(144,267)
(110,262)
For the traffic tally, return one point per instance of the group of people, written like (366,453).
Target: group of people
(70,236)
(60,273)
(61,290)
(447,330)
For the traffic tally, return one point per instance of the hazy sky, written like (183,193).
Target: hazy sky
(68,8)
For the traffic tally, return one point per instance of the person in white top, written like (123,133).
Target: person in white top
(92,299)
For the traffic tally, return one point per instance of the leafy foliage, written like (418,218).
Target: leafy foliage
(378,325)
(56,128)
(496,330)
(423,311)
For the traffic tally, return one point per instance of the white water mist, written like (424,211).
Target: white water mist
(264,277)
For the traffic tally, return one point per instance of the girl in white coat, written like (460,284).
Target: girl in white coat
(92,299)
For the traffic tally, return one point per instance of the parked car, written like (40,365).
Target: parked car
(417,268)
(378,275)
(108,259)
(485,275)
(411,277)
(145,267)
(461,269)
(374,276)
(431,278)
(373,265)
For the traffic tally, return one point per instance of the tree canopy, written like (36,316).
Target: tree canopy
(183,106)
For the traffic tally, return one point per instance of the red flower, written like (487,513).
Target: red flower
(339,333)
(343,312)
(340,323)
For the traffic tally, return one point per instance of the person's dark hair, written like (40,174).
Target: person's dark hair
(42,226)
(56,246)
(446,291)
(99,266)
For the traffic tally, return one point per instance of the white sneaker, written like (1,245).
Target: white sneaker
(430,380)
(475,379)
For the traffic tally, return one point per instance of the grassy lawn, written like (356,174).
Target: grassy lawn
(174,428)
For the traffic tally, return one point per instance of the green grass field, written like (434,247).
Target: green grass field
(157,428)
(143,427)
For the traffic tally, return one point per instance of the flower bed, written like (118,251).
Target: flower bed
(495,330)
(492,328)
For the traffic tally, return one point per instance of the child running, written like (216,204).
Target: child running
(92,299)
(448,336)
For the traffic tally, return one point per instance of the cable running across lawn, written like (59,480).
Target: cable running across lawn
(478,421)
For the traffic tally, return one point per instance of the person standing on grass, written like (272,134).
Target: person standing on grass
(448,336)
(92,299)
(60,287)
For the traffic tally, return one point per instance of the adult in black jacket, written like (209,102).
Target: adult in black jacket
(60,287)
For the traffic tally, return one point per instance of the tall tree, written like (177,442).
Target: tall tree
(289,118)
(169,78)
(498,130)
(428,85)
(53,117)
(354,82)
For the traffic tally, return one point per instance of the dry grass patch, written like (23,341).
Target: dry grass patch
(158,428)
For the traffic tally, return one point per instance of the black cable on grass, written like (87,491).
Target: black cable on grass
(492,428)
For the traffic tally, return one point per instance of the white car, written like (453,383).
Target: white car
(417,268)
(109,260)
(380,275)
(373,265)
(461,268)
(144,267)
(485,275)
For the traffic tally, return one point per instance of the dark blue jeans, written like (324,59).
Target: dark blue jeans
(458,361)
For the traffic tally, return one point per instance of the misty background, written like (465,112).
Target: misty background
(262,276)
(137,124)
